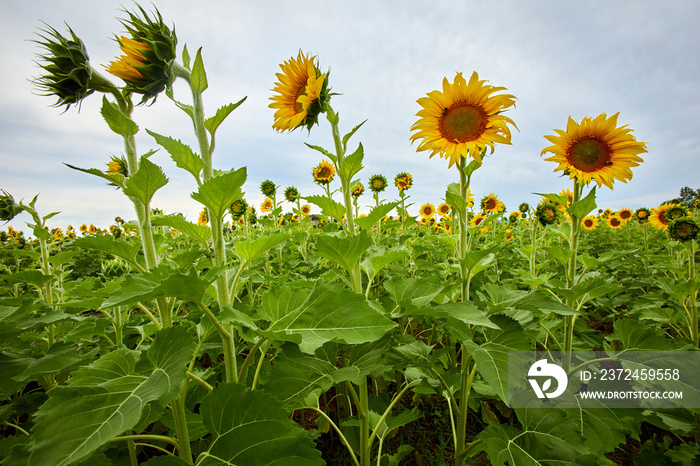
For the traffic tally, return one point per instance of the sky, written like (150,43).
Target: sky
(559,59)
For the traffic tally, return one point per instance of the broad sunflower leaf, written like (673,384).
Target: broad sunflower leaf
(249,250)
(201,233)
(106,243)
(584,206)
(180,153)
(107,398)
(116,179)
(558,198)
(638,336)
(198,78)
(412,293)
(252,428)
(352,163)
(212,123)
(143,184)
(376,214)
(30,276)
(117,121)
(378,258)
(329,207)
(61,358)
(329,313)
(454,198)
(219,192)
(347,137)
(328,154)
(345,251)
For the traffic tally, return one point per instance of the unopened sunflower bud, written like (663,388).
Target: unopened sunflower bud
(268,188)
(8,208)
(683,229)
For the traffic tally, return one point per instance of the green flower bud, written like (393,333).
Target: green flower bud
(268,188)
(683,229)
(8,208)
(291,194)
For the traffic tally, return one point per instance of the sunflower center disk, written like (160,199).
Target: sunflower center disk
(490,204)
(589,155)
(463,123)
(300,92)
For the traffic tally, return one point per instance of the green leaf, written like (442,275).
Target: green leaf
(637,336)
(180,153)
(378,258)
(185,57)
(117,121)
(352,164)
(61,358)
(116,179)
(329,313)
(320,149)
(329,207)
(465,312)
(219,192)
(347,137)
(345,251)
(107,398)
(472,167)
(376,214)
(143,184)
(562,255)
(249,250)
(558,198)
(584,206)
(417,292)
(251,428)
(198,78)
(106,243)
(33,277)
(212,123)
(454,198)
(62,257)
(201,233)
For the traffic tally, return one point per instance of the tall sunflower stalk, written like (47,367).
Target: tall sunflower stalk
(460,122)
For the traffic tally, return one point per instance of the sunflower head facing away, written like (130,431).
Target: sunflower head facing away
(462,119)
(377,183)
(268,188)
(492,205)
(301,94)
(683,229)
(324,172)
(291,194)
(9,209)
(403,181)
(596,150)
(149,54)
(590,222)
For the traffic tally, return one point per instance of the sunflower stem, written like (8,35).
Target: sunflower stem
(569,321)
(692,277)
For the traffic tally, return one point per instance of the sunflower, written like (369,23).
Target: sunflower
(462,119)
(658,218)
(596,150)
(492,205)
(377,183)
(203,217)
(268,188)
(548,213)
(427,210)
(567,193)
(508,236)
(625,214)
(238,208)
(607,213)
(301,94)
(403,181)
(92,229)
(514,216)
(291,194)
(676,211)
(305,210)
(524,207)
(642,214)
(590,222)
(477,219)
(266,205)
(357,190)
(324,172)
(615,222)
(444,209)
(683,229)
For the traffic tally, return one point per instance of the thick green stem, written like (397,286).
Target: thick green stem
(363,417)
(569,321)
(692,277)
(183,435)
(464,392)
(462,218)
(227,342)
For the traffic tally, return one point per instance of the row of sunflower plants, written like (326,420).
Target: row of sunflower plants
(196,342)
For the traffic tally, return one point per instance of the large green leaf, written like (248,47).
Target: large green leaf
(201,233)
(107,398)
(352,163)
(219,192)
(378,258)
(211,124)
(584,206)
(143,184)
(117,121)
(249,250)
(198,78)
(106,243)
(329,313)
(251,428)
(376,214)
(329,207)
(180,153)
(345,251)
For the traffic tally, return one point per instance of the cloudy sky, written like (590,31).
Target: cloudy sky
(560,59)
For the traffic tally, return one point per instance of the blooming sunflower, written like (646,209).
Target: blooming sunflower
(427,210)
(377,183)
(548,213)
(658,218)
(477,219)
(567,193)
(492,205)
(590,222)
(642,214)
(596,150)
(357,190)
(444,209)
(324,172)
(83,228)
(615,222)
(203,217)
(92,229)
(625,214)
(301,94)
(305,210)
(266,205)
(462,119)
(403,181)
(683,229)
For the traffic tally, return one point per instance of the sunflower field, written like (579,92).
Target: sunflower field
(301,332)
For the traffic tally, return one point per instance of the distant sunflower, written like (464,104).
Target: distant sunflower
(444,209)
(324,172)
(596,150)
(590,222)
(658,218)
(291,194)
(377,183)
(305,210)
(301,94)
(514,216)
(548,213)
(625,214)
(463,119)
(203,217)
(676,211)
(492,205)
(683,229)
(642,214)
(615,222)
(567,193)
(477,219)
(403,181)
(268,188)
(427,210)
(357,190)
(266,205)
(83,228)
(92,229)
(524,207)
